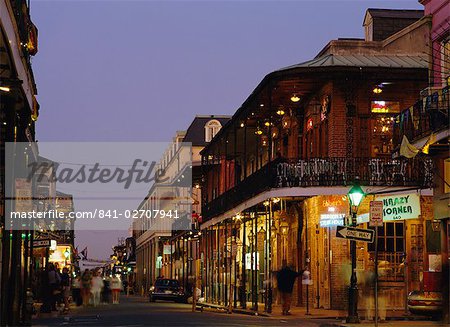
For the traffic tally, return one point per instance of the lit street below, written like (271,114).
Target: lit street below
(135,311)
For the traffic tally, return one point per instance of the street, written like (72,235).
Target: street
(276,163)
(136,311)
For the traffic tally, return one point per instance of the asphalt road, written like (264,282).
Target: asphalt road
(135,312)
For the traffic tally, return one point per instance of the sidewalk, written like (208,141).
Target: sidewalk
(396,323)
(332,317)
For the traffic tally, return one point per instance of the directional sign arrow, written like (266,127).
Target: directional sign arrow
(41,243)
(357,234)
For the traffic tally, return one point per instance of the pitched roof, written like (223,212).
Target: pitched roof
(195,133)
(395,13)
(388,61)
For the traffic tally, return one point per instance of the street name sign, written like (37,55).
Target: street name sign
(356,234)
(376,213)
(41,243)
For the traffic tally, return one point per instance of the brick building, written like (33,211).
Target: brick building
(277,174)
(425,125)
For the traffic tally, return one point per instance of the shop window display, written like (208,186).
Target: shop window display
(382,126)
(391,251)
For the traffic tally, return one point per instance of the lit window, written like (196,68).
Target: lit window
(211,129)
(391,249)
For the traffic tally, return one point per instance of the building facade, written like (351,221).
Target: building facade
(276,177)
(424,126)
(18,113)
(152,256)
(173,253)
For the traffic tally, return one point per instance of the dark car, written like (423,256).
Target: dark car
(167,289)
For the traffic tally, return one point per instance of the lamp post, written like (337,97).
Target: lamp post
(355,196)
(66,256)
(272,240)
(284,229)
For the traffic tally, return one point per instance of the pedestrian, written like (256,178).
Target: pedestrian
(96,289)
(285,280)
(241,293)
(76,290)
(65,284)
(116,286)
(106,293)
(86,280)
(54,282)
(45,291)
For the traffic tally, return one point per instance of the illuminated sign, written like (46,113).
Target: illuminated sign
(384,107)
(330,220)
(248,261)
(362,218)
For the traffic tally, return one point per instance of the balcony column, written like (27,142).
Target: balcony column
(204,266)
(206,235)
(236,171)
(269,257)
(218,263)
(257,144)
(225,280)
(226,170)
(213,264)
(269,139)
(243,291)
(245,150)
(236,285)
(255,260)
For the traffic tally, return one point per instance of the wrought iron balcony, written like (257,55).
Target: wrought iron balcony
(325,172)
(428,115)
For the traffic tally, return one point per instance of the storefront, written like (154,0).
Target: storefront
(406,248)
(241,253)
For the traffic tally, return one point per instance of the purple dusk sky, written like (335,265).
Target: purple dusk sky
(140,70)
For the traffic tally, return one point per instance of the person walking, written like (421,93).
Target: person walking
(116,286)
(45,291)
(106,293)
(76,290)
(97,286)
(285,280)
(65,283)
(54,282)
(86,283)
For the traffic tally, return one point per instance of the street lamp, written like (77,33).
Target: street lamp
(66,255)
(355,195)
(284,229)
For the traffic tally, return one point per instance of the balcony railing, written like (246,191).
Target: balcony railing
(324,172)
(25,26)
(428,115)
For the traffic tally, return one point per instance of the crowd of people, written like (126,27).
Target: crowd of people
(59,288)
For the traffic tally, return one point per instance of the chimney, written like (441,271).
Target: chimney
(379,24)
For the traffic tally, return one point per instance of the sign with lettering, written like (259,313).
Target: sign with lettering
(330,220)
(362,218)
(41,243)
(376,213)
(400,207)
(356,234)
(249,259)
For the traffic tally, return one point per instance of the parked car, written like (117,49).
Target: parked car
(167,289)
(427,303)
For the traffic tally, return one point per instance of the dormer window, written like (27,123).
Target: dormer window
(211,129)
